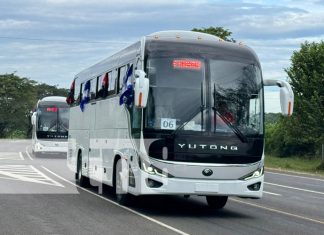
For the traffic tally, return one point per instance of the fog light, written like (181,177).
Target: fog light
(153,183)
(254,187)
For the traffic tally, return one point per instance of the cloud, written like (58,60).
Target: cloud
(12,24)
(53,62)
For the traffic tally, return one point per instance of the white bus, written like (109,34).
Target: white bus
(176,113)
(50,126)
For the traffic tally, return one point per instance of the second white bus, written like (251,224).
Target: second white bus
(50,126)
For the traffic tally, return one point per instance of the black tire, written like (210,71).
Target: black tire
(81,180)
(216,202)
(37,154)
(123,198)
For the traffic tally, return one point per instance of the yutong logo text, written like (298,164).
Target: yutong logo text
(209,146)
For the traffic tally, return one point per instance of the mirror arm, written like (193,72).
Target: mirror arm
(279,83)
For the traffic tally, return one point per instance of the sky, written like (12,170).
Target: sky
(52,40)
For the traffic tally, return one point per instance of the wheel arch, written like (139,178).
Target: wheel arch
(116,158)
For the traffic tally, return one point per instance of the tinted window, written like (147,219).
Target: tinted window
(103,83)
(93,88)
(175,92)
(112,83)
(77,92)
(121,73)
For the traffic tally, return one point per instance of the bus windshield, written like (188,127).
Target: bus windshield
(53,121)
(204,95)
(175,93)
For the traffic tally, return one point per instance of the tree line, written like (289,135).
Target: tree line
(18,97)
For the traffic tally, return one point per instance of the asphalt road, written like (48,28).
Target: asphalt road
(39,196)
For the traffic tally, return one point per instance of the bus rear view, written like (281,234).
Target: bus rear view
(50,126)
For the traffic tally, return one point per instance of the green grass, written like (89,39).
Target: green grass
(313,165)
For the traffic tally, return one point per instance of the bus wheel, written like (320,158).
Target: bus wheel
(37,154)
(216,202)
(82,180)
(121,196)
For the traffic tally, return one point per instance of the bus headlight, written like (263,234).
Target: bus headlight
(153,170)
(39,146)
(254,174)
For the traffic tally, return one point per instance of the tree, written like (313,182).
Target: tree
(43,90)
(303,134)
(272,118)
(224,34)
(18,96)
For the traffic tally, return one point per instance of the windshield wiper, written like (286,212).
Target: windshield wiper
(238,133)
(214,107)
(194,114)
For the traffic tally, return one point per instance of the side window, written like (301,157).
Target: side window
(81,93)
(93,88)
(103,83)
(77,92)
(121,74)
(115,80)
(111,79)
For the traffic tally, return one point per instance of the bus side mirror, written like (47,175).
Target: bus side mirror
(286,95)
(142,85)
(33,119)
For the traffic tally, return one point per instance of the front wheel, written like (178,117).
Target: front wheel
(121,196)
(216,202)
(81,180)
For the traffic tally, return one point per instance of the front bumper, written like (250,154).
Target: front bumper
(178,186)
(42,148)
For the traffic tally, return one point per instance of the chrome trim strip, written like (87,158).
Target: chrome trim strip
(205,164)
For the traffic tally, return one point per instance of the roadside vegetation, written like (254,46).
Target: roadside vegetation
(298,164)
(295,142)
(18,97)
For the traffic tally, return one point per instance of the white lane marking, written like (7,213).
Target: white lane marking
(26,173)
(297,176)
(279,211)
(11,156)
(28,155)
(115,203)
(299,189)
(21,156)
(275,194)
(46,177)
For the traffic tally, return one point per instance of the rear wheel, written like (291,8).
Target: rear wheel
(36,154)
(81,180)
(216,202)
(121,196)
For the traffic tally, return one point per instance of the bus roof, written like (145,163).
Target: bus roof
(53,99)
(169,36)
(184,35)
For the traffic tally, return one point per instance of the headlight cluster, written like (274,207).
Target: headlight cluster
(39,146)
(152,170)
(254,174)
